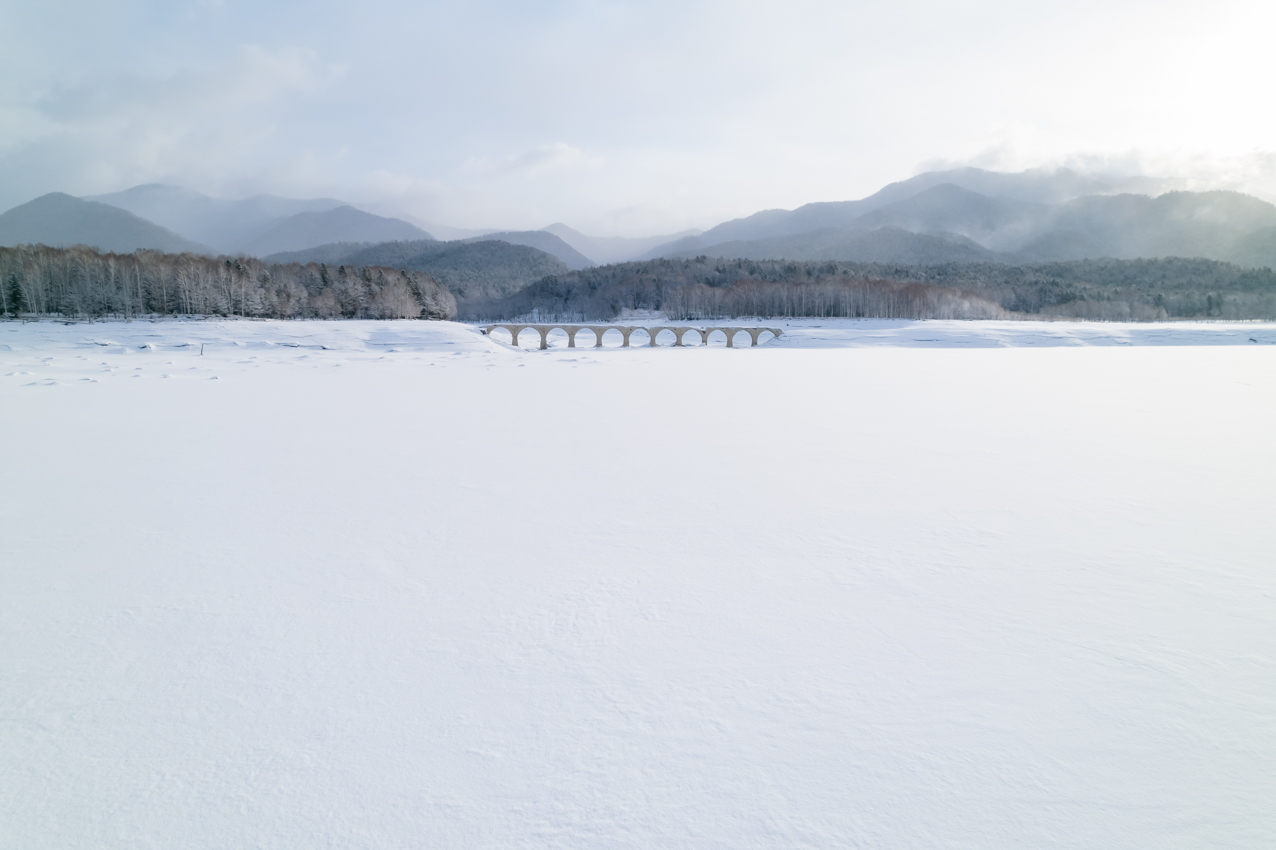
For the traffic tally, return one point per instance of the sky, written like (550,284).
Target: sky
(623,118)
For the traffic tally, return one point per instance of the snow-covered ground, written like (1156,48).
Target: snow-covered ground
(874,584)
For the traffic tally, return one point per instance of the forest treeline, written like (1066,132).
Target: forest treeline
(826,296)
(81,282)
(1115,290)
(1111,290)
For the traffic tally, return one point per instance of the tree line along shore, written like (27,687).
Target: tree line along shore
(81,282)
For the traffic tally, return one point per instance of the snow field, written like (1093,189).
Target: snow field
(928,585)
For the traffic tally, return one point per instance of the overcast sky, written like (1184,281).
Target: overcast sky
(621,118)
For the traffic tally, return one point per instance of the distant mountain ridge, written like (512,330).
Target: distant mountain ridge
(226,226)
(950,215)
(262,224)
(881,245)
(1036,186)
(341,224)
(1023,222)
(604,250)
(486,268)
(542,240)
(1185,224)
(61,220)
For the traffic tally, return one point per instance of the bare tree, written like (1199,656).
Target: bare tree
(80,281)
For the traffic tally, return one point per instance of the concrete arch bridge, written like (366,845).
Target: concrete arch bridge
(679,333)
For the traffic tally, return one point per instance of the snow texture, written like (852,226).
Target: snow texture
(875,584)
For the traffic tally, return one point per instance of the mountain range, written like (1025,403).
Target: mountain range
(541,240)
(487,268)
(968,214)
(173,219)
(943,216)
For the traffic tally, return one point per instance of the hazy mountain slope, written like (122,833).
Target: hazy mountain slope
(765,224)
(995,223)
(447,233)
(542,241)
(1176,224)
(468,269)
(1214,225)
(334,253)
(227,226)
(343,224)
(58,219)
(1257,249)
(613,249)
(1034,186)
(882,245)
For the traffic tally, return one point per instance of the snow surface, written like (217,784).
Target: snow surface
(874,584)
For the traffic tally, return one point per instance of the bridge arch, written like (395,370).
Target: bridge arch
(755,334)
(602,332)
(727,333)
(651,338)
(577,329)
(657,331)
(681,334)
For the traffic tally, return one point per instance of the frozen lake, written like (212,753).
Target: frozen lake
(875,584)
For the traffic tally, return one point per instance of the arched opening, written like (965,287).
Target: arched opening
(529,338)
(640,336)
(585,337)
(690,337)
(717,338)
(740,338)
(612,337)
(502,335)
(665,336)
(556,338)
(766,336)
